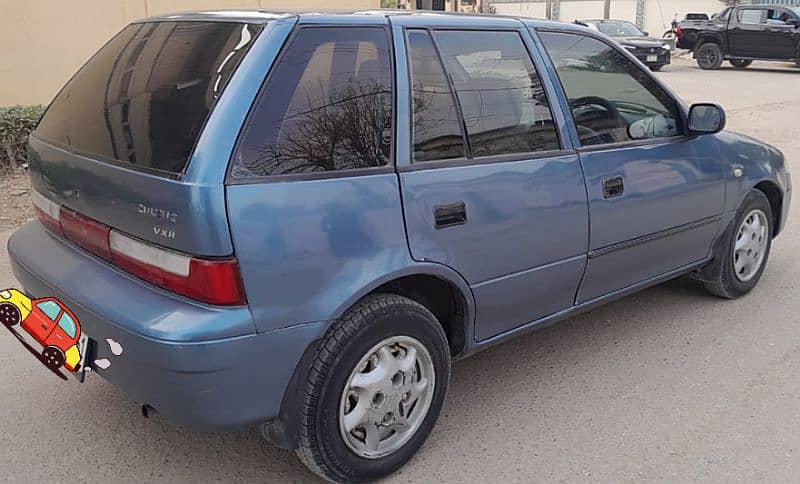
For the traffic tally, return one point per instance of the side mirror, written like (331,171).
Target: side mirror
(706,118)
(646,33)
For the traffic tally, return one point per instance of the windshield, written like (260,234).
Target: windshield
(796,10)
(143,98)
(619,29)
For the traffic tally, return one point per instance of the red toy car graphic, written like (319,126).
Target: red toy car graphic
(49,322)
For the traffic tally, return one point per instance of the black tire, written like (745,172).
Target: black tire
(656,67)
(322,448)
(709,56)
(740,63)
(9,315)
(53,357)
(720,278)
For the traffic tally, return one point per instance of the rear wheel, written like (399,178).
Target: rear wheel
(9,315)
(709,56)
(53,357)
(740,63)
(742,255)
(375,390)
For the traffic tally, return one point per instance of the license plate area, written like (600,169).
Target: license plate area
(84,346)
(652,58)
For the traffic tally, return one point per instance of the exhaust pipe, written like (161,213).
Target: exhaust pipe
(147,411)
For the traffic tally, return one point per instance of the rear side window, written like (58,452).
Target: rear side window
(751,16)
(437,131)
(327,106)
(143,98)
(501,97)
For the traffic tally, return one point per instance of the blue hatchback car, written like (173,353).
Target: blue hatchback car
(298,221)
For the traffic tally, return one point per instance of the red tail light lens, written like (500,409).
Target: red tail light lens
(678,33)
(213,281)
(85,232)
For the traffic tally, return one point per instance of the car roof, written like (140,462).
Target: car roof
(261,17)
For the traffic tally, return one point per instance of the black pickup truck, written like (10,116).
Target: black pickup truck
(743,34)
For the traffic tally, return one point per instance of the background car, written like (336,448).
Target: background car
(49,322)
(653,52)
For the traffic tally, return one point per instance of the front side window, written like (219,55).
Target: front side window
(66,323)
(327,106)
(611,98)
(778,16)
(501,97)
(751,16)
(50,308)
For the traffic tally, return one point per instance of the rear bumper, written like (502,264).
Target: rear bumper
(199,366)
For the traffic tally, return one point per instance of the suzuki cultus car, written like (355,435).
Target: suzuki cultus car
(298,221)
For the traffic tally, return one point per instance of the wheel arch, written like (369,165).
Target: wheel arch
(774,195)
(414,282)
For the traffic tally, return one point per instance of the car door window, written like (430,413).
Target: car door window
(612,99)
(501,97)
(751,16)
(437,130)
(327,106)
(66,323)
(778,16)
(50,308)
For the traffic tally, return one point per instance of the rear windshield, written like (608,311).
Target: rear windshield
(143,98)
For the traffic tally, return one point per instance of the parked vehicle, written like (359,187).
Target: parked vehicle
(744,34)
(653,52)
(299,221)
(48,322)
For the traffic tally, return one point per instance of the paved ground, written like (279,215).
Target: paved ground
(669,385)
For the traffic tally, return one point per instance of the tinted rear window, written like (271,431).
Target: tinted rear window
(144,97)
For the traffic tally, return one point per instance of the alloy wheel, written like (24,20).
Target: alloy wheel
(387,397)
(750,245)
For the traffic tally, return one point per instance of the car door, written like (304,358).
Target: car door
(655,195)
(489,188)
(746,34)
(42,320)
(63,334)
(780,34)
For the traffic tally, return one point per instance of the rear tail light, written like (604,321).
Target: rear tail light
(48,211)
(213,281)
(678,33)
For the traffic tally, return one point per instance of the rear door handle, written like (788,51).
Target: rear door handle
(450,215)
(613,187)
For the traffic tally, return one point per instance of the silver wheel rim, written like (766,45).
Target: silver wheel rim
(750,246)
(387,397)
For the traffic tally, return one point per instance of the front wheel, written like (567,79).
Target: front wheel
(655,67)
(709,56)
(740,258)
(53,357)
(374,391)
(740,63)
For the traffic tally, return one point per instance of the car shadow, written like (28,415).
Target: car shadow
(107,429)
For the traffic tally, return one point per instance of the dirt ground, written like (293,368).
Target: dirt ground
(15,199)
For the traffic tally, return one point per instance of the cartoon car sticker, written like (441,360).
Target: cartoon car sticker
(47,321)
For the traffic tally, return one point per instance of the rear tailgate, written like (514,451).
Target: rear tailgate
(190,218)
(116,142)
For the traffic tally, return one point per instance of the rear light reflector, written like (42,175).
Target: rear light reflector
(213,281)
(48,211)
(85,232)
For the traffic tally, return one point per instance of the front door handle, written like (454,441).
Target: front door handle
(450,215)
(613,187)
